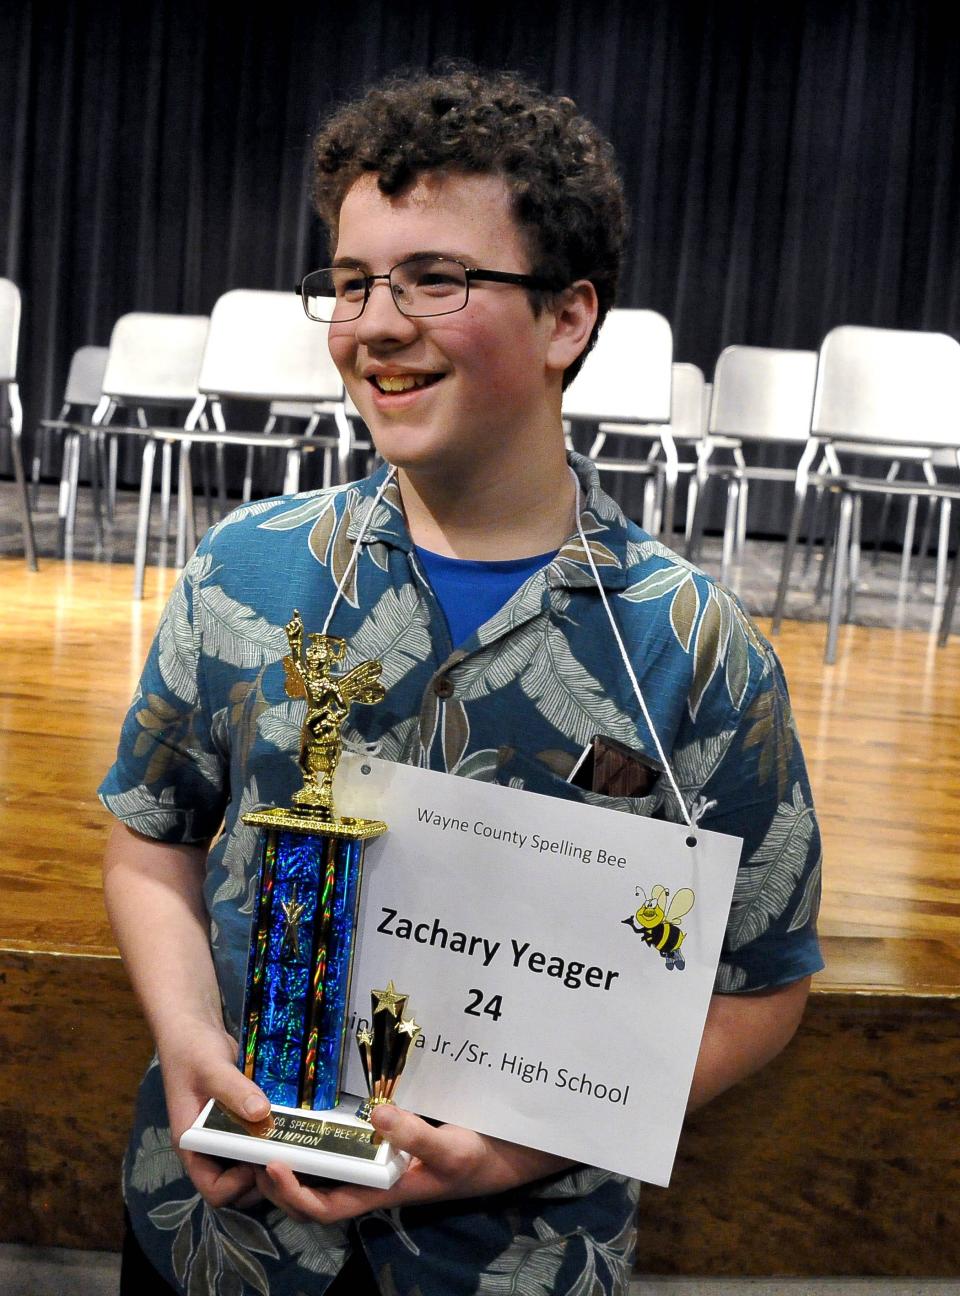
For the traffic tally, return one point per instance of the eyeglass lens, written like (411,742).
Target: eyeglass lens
(420,286)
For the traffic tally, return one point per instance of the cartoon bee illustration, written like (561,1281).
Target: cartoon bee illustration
(656,923)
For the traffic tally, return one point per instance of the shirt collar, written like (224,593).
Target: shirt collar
(601,518)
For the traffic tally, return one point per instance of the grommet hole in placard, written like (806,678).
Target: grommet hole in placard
(364,769)
(691,841)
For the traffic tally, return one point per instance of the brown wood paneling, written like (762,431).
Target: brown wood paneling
(73,1049)
(841,1158)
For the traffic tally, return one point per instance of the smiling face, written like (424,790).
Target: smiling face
(449,393)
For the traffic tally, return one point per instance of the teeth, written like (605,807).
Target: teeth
(400,382)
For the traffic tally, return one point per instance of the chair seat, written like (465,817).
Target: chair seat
(641,468)
(880,486)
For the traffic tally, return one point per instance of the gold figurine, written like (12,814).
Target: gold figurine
(329,697)
(310,675)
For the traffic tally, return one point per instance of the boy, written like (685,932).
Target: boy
(478,227)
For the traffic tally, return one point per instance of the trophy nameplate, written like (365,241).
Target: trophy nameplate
(301,951)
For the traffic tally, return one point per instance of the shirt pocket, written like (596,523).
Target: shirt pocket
(514,769)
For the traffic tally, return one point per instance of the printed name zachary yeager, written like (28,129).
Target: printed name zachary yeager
(572,974)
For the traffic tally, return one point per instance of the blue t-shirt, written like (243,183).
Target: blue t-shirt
(470,592)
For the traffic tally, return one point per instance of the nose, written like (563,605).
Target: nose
(382,322)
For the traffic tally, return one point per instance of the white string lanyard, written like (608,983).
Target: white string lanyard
(356,548)
(628,664)
(341,586)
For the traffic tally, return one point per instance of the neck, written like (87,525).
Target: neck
(494,513)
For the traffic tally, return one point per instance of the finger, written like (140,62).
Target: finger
(218,1186)
(318,1205)
(278,1190)
(430,1144)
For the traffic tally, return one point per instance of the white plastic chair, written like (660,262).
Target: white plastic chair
(81,397)
(260,347)
(152,363)
(625,388)
(9,342)
(263,348)
(877,387)
(689,407)
(762,396)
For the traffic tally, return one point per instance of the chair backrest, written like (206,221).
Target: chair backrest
(292,409)
(85,376)
(9,329)
(155,359)
(262,347)
(888,385)
(627,376)
(688,415)
(763,393)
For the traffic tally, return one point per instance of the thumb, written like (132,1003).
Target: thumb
(231,1089)
(406,1132)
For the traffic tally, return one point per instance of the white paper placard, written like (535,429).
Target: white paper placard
(547,1020)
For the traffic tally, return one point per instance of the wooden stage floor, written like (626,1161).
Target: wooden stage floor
(880,730)
(840,1158)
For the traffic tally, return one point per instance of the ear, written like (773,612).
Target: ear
(574,314)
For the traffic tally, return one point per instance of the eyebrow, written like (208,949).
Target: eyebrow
(357,263)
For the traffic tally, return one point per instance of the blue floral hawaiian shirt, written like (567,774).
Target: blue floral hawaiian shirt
(211,733)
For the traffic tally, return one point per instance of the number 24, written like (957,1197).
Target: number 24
(492,1008)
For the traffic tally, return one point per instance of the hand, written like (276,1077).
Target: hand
(448,1163)
(201,1064)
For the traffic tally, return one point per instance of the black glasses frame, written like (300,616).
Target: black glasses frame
(470,274)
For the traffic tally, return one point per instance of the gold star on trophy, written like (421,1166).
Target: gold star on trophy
(384,1049)
(389,1001)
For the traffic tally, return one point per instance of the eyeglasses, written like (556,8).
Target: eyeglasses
(420,286)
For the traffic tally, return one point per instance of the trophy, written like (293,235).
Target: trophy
(301,949)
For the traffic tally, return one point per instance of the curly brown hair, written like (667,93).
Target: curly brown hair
(567,196)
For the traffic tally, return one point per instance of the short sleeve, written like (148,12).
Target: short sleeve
(169,779)
(759,791)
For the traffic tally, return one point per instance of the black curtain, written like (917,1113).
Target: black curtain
(789,167)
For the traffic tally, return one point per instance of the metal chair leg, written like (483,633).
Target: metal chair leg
(16,453)
(692,552)
(291,476)
(729,527)
(143,516)
(186,480)
(943,544)
(247,492)
(166,478)
(950,603)
(98,474)
(907,556)
(815,511)
(786,562)
(854,560)
(113,452)
(926,532)
(69,449)
(186,524)
(220,460)
(742,517)
(841,543)
(826,567)
(882,527)
(344,444)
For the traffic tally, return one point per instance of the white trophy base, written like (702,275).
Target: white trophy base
(303,1140)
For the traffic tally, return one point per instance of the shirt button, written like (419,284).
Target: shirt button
(443,686)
